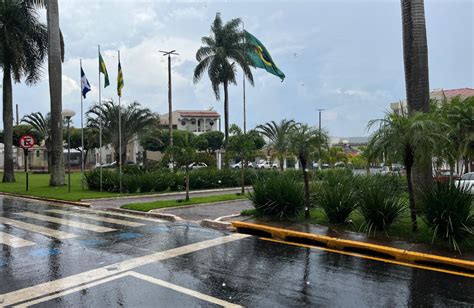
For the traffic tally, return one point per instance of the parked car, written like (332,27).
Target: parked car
(239,165)
(265,164)
(108,165)
(197,165)
(467,181)
(443,176)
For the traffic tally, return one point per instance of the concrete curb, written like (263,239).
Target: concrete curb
(166,194)
(219,225)
(77,203)
(168,217)
(353,246)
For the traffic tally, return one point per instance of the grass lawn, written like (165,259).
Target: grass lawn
(39,187)
(145,207)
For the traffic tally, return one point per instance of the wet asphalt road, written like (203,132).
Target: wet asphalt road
(132,262)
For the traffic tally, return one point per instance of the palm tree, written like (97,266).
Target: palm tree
(415,56)
(23,43)
(278,135)
(135,121)
(225,44)
(408,140)
(42,126)
(305,141)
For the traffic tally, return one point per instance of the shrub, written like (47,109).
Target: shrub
(130,183)
(163,181)
(146,182)
(335,195)
(448,211)
(278,196)
(380,202)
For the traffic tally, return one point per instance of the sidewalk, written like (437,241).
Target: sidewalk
(117,202)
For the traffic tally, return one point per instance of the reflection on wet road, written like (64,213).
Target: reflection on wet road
(53,256)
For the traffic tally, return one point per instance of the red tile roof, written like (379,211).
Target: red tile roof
(463,93)
(198,113)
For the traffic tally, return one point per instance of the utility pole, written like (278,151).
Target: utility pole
(319,160)
(170,105)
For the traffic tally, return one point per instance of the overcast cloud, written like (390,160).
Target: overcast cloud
(344,56)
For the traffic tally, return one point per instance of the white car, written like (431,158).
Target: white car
(239,165)
(265,164)
(467,182)
(197,165)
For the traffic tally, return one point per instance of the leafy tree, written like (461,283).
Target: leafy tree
(304,142)
(42,126)
(159,140)
(278,135)
(220,54)
(135,119)
(243,145)
(23,43)
(409,140)
(183,155)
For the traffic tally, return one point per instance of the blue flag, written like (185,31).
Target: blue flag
(85,85)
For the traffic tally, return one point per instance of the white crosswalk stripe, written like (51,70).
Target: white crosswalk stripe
(13,241)
(98,218)
(70,223)
(37,229)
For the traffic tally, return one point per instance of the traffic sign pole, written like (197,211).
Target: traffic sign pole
(26,166)
(26,142)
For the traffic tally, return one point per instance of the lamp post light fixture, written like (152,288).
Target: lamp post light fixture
(68,114)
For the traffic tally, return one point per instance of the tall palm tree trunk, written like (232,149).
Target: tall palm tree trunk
(8,168)
(226,121)
(415,56)
(55,92)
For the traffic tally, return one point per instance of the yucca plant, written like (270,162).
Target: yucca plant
(278,196)
(380,203)
(336,196)
(448,211)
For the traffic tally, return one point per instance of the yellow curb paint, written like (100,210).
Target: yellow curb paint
(336,243)
(371,258)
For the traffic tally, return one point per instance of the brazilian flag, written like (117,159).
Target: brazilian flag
(103,70)
(260,56)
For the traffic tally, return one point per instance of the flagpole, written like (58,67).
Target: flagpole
(120,131)
(82,129)
(100,124)
(243,86)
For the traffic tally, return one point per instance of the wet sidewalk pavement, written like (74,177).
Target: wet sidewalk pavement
(117,202)
(210,211)
(355,236)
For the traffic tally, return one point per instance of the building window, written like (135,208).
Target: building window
(211,123)
(199,125)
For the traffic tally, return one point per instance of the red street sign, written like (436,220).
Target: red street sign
(27,141)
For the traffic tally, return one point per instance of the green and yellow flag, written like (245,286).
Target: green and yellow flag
(103,70)
(119,80)
(260,56)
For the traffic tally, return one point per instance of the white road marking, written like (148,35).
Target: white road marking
(153,280)
(63,284)
(131,216)
(13,241)
(38,229)
(66,222)
(183,290)
(98,218)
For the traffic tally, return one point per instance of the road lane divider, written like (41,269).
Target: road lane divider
(66,222)
(13,241)
(364,248)
(61,235)
(98,218)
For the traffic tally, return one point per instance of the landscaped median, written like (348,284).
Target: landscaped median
(148,206)
(362,248)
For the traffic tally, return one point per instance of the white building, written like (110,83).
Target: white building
(196,121)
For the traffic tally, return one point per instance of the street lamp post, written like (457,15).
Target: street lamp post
(319,160)
(68,114)
(170,105)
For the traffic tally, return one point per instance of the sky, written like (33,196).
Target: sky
(341,55)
